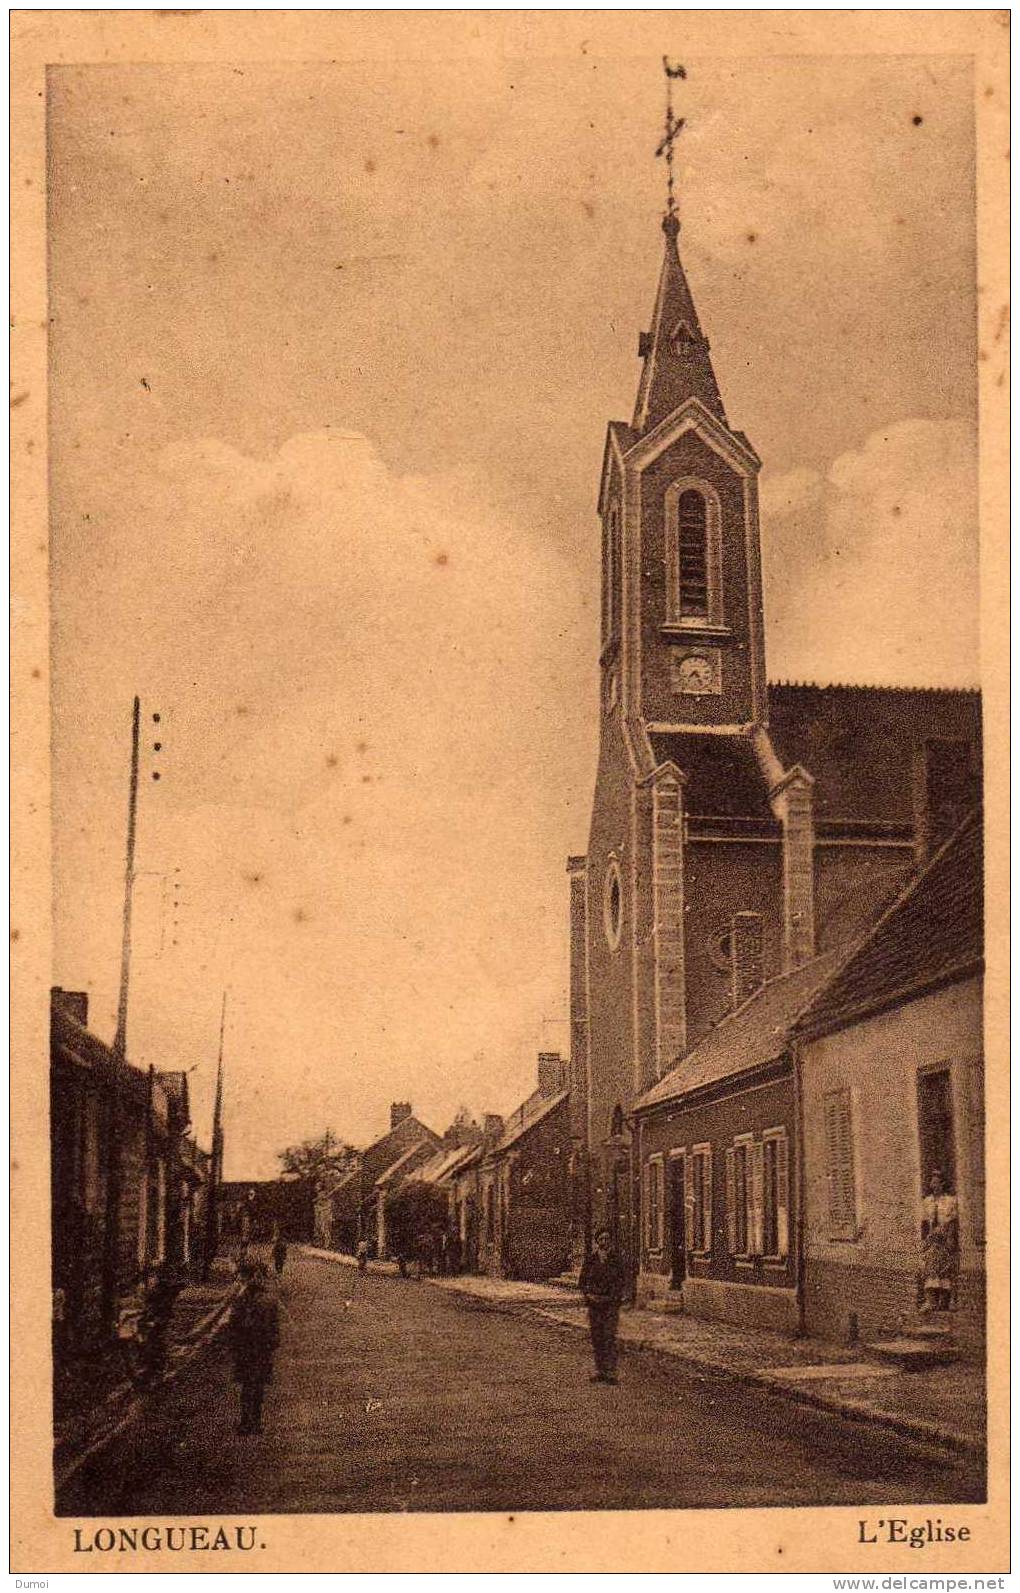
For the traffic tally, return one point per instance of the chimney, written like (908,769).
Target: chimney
(399,1110)
(945,790)
(492,1126)
(551,1073)
(74,1002)
(747,955)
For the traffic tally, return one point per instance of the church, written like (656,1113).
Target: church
(744,834)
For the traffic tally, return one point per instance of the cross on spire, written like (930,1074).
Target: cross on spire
(674,127)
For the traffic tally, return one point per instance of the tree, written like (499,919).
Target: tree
(413,1210)
(321,1161)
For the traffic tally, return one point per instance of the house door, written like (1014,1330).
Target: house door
(935,1127)
(677,1227)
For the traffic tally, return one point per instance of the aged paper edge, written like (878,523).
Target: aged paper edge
(802,1539)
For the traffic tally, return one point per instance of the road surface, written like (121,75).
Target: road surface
(392,1395)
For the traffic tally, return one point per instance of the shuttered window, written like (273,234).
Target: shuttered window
(839,1165)
(738,1197)
(776,1193)
(692,548)
(700,1201)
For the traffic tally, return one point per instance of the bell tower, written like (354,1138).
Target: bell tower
(682,631)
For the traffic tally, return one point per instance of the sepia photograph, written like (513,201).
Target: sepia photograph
(514,700)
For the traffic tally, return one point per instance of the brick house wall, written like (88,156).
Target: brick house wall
(755,1291)
(538,1208)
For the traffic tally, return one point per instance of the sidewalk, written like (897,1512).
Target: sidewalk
(199,1312)
(944,1405)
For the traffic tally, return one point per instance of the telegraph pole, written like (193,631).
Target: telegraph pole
(120,1039)
(111,1232)
(216,1158)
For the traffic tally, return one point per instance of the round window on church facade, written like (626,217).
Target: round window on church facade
(613,905)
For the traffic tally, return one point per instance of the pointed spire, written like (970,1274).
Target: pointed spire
(677,363)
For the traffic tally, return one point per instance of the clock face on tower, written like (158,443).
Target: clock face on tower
(696,674)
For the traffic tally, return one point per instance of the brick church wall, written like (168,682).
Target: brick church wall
(690,456)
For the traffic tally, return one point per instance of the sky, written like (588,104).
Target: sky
(333,348)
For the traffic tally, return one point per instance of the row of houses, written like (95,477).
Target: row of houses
(505,1187)
(782,1163)
(129,1183)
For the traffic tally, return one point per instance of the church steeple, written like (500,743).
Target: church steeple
(677,362)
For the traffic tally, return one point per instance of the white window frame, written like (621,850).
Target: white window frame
(745,1143)
(713,556)
(779,1137)
(703,1153)
(655,1179)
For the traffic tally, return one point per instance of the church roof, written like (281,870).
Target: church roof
(932,934)
(858,743)
(677,365)
(757,1033)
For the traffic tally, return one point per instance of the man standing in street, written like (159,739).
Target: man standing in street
(602,1286)
(254,1335)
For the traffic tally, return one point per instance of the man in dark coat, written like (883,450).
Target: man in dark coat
(279,1254)
(254,1335)
(602,1285)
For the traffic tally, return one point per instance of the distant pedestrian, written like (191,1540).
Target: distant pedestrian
(362,1255)
(602,1287)
(254,1335)
(279,1254)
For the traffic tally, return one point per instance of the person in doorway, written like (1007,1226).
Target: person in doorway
(940,1246)
(254,1336)
(279,1254)
(602,1286)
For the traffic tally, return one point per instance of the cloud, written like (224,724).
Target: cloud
(871,570)
(365,780)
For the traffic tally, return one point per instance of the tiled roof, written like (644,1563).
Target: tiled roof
(445,1163)
(859,742)
(755,1034)
(517,1127)
(933,933)
(394,1168)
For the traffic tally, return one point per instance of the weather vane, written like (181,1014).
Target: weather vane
(674,127)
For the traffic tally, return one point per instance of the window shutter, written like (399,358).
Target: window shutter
(731,1200)
(782,1196)
(706,1201)
(757,1198)
(689,1234)
(832,1158)
(839,1155)
(660,1203)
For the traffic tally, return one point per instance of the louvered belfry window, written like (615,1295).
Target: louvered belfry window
(692,546)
